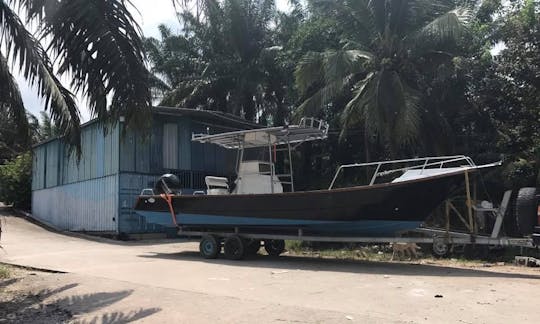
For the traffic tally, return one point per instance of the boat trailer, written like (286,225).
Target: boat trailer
(442,239)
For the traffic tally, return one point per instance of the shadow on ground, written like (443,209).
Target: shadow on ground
(341,265)
(18,306)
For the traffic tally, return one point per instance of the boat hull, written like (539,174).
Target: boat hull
(382,209)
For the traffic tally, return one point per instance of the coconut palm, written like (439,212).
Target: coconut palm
(388,46)
(96,43)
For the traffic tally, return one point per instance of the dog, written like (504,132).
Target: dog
(400,249)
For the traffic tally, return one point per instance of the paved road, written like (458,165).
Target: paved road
(168,281)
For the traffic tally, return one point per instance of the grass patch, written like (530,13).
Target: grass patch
(339,250)
(4,272)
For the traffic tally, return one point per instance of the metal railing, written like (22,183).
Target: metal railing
(313,122)
(414,164)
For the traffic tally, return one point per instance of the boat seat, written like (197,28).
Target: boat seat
(216,185)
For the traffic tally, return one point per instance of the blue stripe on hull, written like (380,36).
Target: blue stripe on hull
(359,228)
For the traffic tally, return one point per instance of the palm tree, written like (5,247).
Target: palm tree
(96,43)
(222,61)
(388,46)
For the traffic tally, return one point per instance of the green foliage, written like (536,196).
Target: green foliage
(95,42)
(508,90)
(387,51)
(47,129)
(520,173)
(16,181)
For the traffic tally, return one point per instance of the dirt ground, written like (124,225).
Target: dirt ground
(106,281)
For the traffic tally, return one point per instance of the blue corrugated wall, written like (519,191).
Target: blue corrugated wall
(78,196)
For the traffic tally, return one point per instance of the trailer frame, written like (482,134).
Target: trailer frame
(442,239)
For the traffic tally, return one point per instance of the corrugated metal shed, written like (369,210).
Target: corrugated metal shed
(90,205)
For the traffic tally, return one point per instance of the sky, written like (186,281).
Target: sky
(151,13)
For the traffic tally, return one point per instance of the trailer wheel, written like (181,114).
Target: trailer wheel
(274,247)
(525,210)
(234,247)
(209,247)
(252,247)
(440,248)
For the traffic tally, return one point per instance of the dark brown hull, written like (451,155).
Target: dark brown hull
(405,204)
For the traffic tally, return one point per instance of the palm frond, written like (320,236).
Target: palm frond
(408,118)
(99,44)
(331,71)
(10,97)
(35,66)
(447,27)
(309,71)
(316,102)
(356,17)
(337,64)
(358,109)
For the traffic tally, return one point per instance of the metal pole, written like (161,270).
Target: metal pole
(271,164)
(290,164)
(469,202)
(241,147)
(375,175)
(335,177)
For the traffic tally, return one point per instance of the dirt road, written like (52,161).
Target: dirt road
(167,281)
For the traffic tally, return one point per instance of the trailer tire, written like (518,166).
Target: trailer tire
(525,210)
(234,247)
(274,247)
(440,248)
(252,247)
(209,247)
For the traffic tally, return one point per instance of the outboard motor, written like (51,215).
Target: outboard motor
(168,184)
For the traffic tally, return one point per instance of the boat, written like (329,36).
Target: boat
(399,195)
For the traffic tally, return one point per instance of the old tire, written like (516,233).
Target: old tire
(209,247)
(234,247)
(274,247)
(252,247)
(525,210)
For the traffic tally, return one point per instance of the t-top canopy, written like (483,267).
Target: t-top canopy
(309,129)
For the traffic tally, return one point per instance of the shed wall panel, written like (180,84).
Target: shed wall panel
(184,151)
(52,164)
(142,154)
(111,151)
(170,146)
(156,148)
(127,152)
(100,154)
(38,168)
(82,206)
